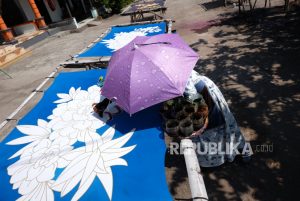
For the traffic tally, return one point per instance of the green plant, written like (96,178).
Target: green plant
(170,102)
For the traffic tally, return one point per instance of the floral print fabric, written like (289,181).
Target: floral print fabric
(225,135)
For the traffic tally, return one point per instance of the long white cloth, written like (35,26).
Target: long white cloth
(224,136)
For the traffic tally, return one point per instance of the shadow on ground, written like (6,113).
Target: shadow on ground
(256,63)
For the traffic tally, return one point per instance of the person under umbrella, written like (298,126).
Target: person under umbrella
(105,108)
(151,70)
(145,72)
(148,71)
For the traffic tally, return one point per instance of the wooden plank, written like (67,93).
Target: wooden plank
(12,56)
(7,49)
(87,62)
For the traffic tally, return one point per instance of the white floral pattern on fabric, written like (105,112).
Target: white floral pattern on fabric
(123,38)
(50,146)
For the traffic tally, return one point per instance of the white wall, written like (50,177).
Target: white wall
(55,15)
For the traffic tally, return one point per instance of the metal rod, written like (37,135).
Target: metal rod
(5,73)
(83,6)
(68,9)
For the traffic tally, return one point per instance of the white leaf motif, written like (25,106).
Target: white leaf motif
(93,161)
(49,145)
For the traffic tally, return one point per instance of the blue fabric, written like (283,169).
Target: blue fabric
(100,49)
(200,86)
(143,178)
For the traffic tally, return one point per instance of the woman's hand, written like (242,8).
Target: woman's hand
(198,132)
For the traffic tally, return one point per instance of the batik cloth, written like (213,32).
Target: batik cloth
(226,136)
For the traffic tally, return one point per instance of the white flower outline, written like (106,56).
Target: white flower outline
(123,38)
(49,146)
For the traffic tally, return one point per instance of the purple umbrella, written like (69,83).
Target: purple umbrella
(149,70)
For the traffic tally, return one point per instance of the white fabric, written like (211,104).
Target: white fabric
(222,135)
(190,90)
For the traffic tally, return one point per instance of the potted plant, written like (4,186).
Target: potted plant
(164,108)
(172,127)
(167,115)
(198,121)
(182,115)
(199,100)
(189,109)
(170,103)
(178,108)
(186,127)
(175,109)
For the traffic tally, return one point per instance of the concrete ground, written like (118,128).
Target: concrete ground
(252,57)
